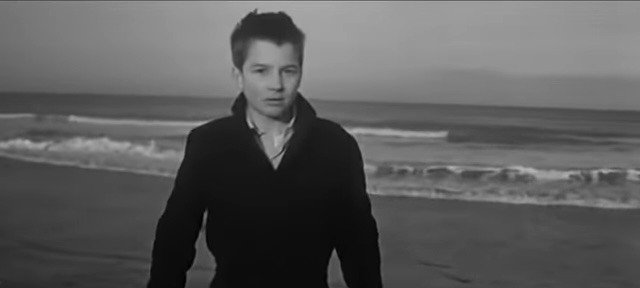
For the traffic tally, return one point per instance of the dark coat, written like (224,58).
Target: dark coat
(269,227)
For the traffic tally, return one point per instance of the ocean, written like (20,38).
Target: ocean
(543,156)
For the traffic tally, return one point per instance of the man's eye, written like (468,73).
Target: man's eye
(291,72)
(260,71)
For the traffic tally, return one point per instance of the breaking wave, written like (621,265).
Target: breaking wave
(461,134)
(131,122)
(16,115)
(519,174)
(102,145)
(365,131)
(512,184)
(388,132)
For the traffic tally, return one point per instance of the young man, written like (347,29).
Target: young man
(282,187)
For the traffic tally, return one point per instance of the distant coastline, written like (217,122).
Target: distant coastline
(312,99)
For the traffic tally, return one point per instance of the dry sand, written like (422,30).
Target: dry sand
(70,227)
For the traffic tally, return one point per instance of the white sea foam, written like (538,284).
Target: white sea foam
(50,156)
(16,115)
(436,193)
(101,145)
(542,174)
(383,132)
(538,174)
(150,150)
(633,175)
(132,122)
(388,132)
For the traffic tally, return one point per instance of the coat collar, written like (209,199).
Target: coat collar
(305,116)
(288,127)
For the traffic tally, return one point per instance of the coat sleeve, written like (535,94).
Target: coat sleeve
(356,240)
(179,225)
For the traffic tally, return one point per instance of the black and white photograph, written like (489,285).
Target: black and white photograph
(320,144)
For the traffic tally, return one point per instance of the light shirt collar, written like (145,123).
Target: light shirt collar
(289,126)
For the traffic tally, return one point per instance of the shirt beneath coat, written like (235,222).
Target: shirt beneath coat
(278,143)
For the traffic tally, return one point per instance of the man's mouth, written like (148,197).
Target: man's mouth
(274,101)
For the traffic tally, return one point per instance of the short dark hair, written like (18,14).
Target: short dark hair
(277,27)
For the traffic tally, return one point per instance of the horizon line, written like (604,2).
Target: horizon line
(371,101)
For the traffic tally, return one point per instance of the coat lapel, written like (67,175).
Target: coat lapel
(304,119)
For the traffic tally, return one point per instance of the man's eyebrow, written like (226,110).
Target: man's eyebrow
(260,65)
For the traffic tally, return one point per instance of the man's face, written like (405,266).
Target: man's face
(270,77)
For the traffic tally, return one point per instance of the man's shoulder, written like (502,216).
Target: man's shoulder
(214,128)
(334,131)
(217,125)
(333,141)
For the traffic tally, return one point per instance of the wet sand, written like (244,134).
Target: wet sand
(72,227)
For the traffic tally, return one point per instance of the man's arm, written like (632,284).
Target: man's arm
(179,226)
(357,233)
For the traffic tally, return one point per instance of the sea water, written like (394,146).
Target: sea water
(514,155)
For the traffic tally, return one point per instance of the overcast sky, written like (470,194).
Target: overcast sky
(355,50)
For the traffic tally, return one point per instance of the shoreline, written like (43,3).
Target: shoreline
(434,193)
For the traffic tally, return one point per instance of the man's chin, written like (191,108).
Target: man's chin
(274,112)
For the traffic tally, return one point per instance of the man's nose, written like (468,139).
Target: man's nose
(276,82)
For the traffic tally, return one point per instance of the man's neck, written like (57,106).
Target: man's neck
(269,124)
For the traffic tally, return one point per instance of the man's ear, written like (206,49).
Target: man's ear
(237,76)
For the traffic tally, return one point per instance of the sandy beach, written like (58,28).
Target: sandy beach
(72,227)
